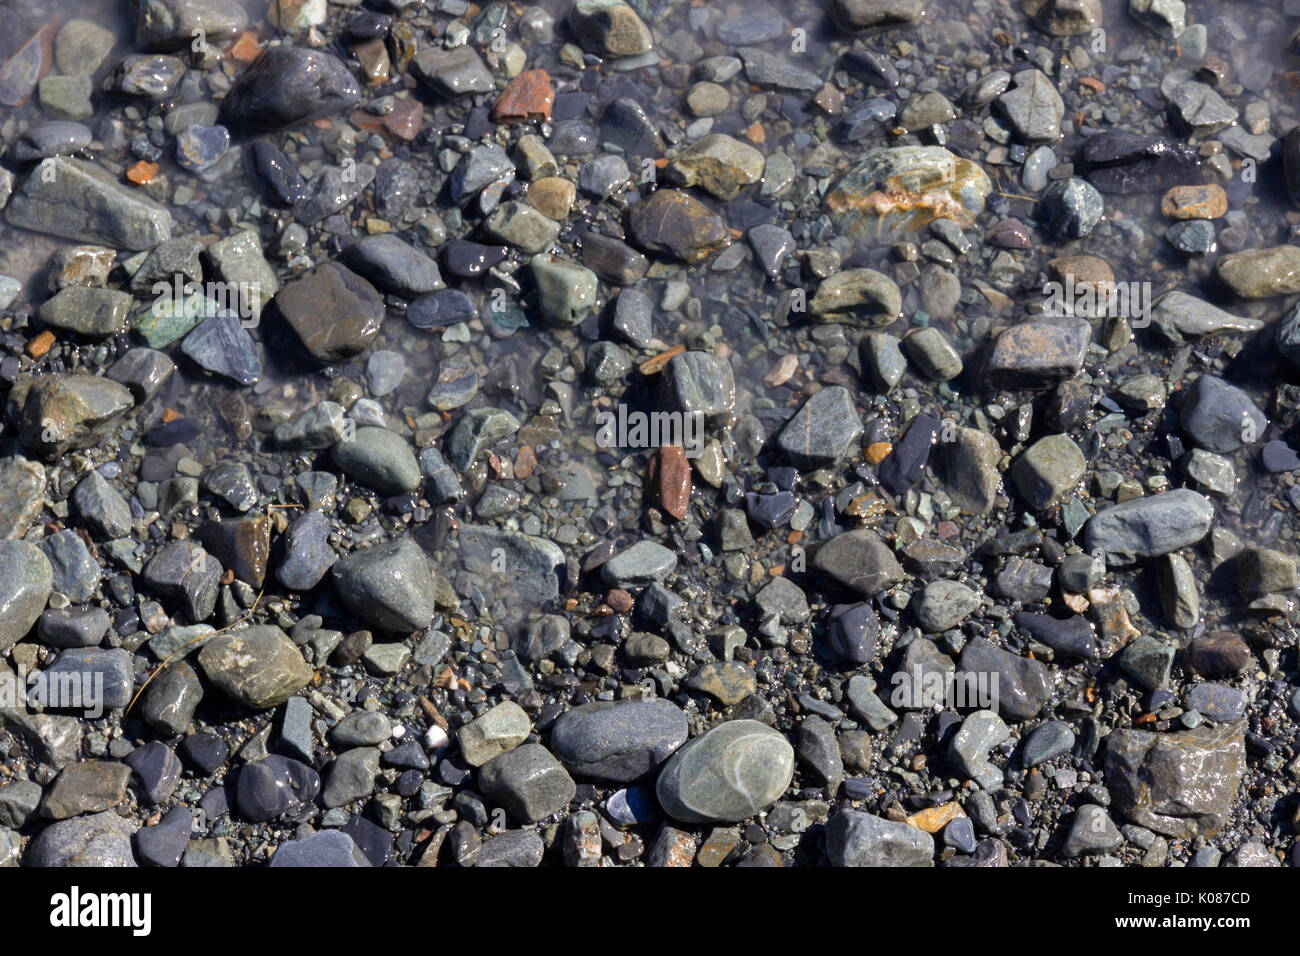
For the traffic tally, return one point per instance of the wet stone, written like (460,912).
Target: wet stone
(860,296)
(498,731)
(102,506)
(1023,685)
(528,782)
(1120,161)
(74,199)
(1182,318)
(1047,470)
(287,85)
(1071,208)
(1033,107)
(394,266)
(823,430)
(241,544)
(351,777)
(379,459)
(73,626)
(1149,527)
(520,225)
(281,182)
(1178,784)
(171,699)
(199,148)
(906,463)
(80,46)
(97,840)
(673,223)
(325,848)
(1047,742)
(1221,417)
(894,191)
(334,312)
(157,768)
(441,309)
(1217,702)
(97,672)
(932,353)
(1066,18)
(609,28)
(478,430)
(1092,832)
(700,383)
(865,119)
(720,165)
(186,574)
(171,24)
(566,291)
(1148,661)
(76,572)
(92,786)
(1261,273)
(1164,17)
(387,585)
(1037,354)
(58,137)
(221,345)
(883,359)
(858,15)
(645,562)
(22,494)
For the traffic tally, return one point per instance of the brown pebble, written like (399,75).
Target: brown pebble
(669,478)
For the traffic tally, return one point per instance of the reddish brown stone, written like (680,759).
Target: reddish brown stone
(619,600)
(402,122)
(525,462)
(669,478)
(529,96)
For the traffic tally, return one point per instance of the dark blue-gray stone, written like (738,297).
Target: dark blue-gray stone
(328,848)
(618,740)
(274,785)
(223,346)
(287,85)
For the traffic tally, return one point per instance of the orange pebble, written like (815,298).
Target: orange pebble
(41,344)
(245,48)
(142,173)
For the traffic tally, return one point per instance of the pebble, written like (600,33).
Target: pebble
(854,838)
(287,85)
(760,764)
(387,585)
(258,667)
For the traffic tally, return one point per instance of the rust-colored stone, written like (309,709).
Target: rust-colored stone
(619,600)
(529,96)
(1195,202)
(934,819)
(525,462)
(669,479)
(142,173)
(245,48)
